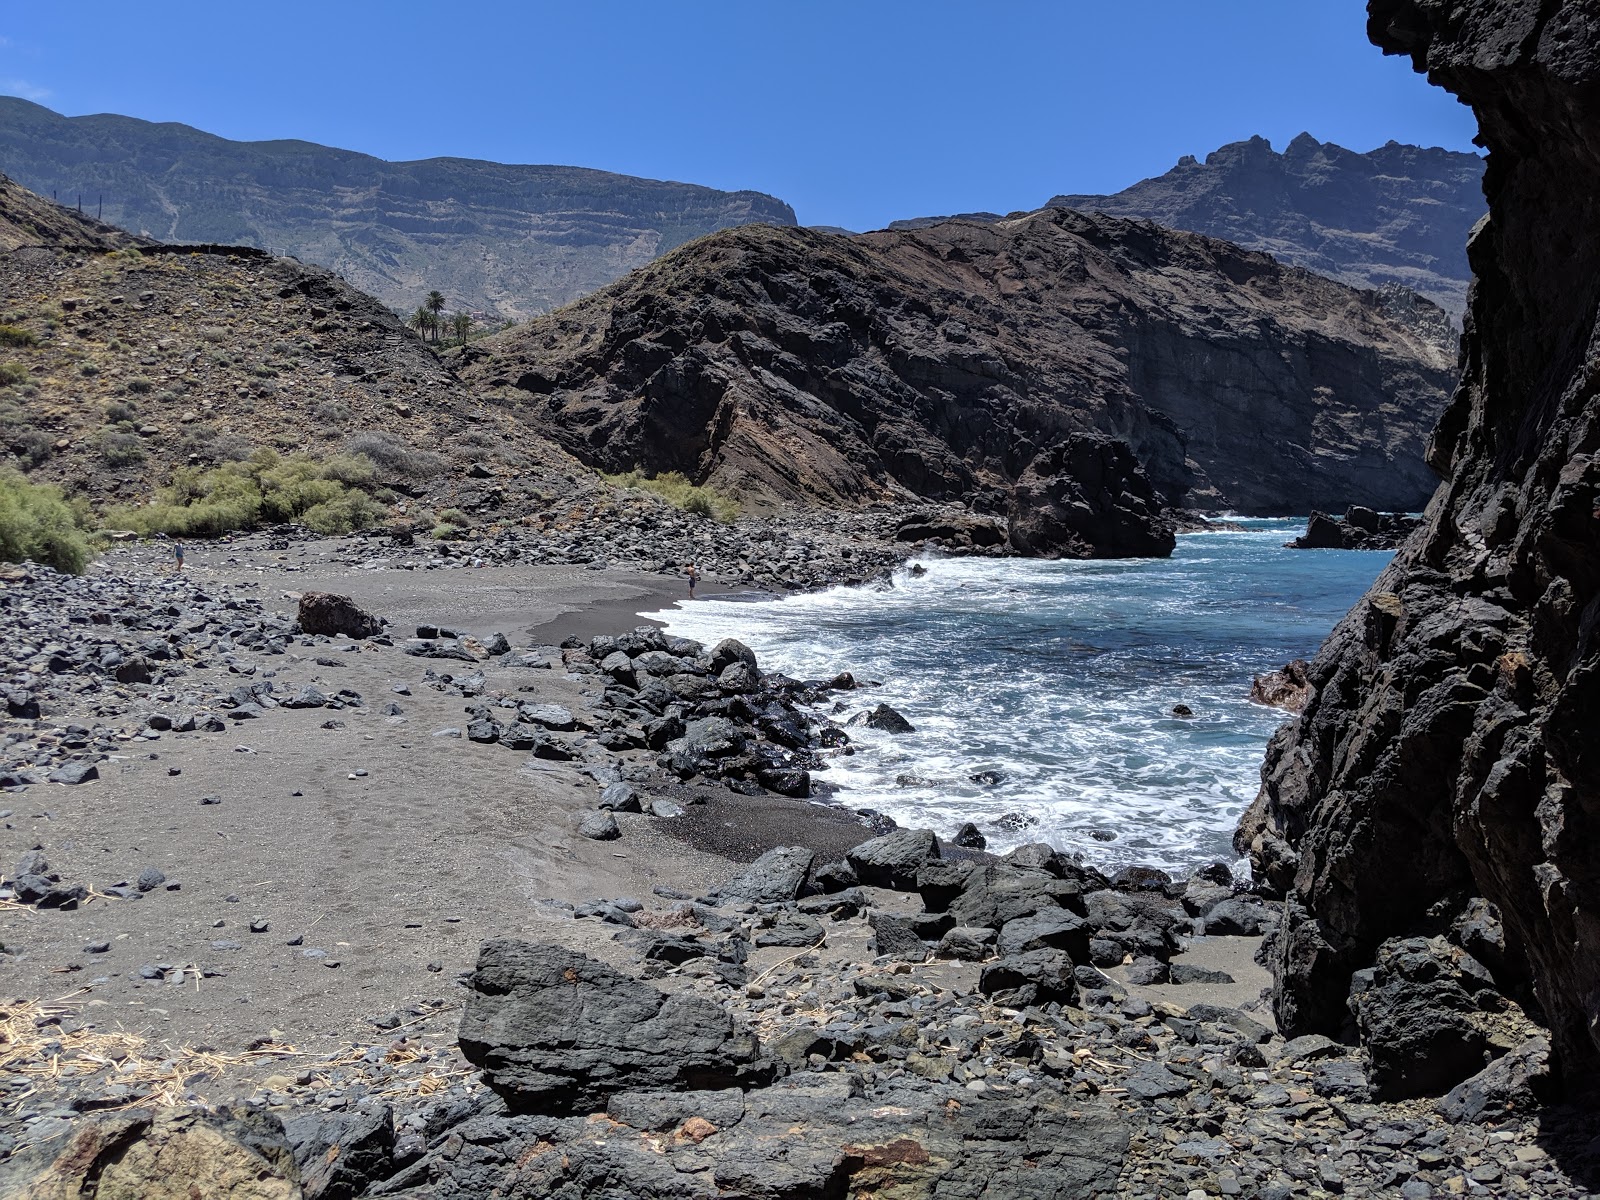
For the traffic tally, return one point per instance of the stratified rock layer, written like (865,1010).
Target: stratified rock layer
(794,366)
(1450,745)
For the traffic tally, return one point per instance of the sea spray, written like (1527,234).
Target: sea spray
(1043,693)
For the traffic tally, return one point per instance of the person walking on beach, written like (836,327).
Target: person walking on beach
(177,555)
(694,578)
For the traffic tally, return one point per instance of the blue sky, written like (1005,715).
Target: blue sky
(855,113)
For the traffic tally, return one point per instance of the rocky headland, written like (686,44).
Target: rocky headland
(1443,771)
(795,367)
(509,239)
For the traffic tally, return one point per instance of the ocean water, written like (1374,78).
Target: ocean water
(1057,680)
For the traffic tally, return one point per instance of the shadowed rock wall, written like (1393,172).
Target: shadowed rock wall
(1453,741)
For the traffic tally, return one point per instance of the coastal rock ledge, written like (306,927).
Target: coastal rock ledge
(1448,752)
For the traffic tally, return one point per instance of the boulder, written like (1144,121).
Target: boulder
(730,651)
(775,877)
(599,826)
(161,1154)
(1088,497)
(557,1032)
(893,860)
(896,938)
(1038,977)
(1419,1014)
(1052,929)
(1287,688)
(883,717)
(1513,1086)
(332,614)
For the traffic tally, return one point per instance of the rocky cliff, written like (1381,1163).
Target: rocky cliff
(510,239)
(1450,750)
(793,366)
(1395,215)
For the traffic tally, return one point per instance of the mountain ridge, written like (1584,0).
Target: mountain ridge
(1395,215)
(510,239)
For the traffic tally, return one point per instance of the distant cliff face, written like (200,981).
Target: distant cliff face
(1451,745)
(795,366)
(1397,215)
(513,240)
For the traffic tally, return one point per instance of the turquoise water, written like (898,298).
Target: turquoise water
(1060,678)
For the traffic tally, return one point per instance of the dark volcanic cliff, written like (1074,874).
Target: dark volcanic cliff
(789,365)
(1395,215)
(1452,746)
(511,239)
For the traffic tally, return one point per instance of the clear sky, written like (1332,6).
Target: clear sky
(856,113)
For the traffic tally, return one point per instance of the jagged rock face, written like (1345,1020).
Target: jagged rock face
(1395,215)
(1451,741)
(507,238)
(1087,498)
(794,366)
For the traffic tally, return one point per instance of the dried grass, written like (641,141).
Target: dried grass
(34,1046)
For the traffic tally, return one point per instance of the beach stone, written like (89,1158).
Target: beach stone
(620,797)
(837,876)
(969,838)
(896,938)
(894,860)
(73,773)
(620,667)
(496,644)
(1038,977)
(1235,917)
(599,826)
(150,879)
(332,614)
(728,652)
(969,943)
(1054,929)
(739,678)
(1510,1086)
(660,807)
(777,876)
(791,929)
(939,881)
(884,718)
(1152,1081)
(995,895)
(552,716)
(555,1031)
(1182,972)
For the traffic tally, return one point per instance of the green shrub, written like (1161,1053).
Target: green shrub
(37,523)
(15,335)
(139,385)
(117,413)
(89,370)
(119,448)
(12,372)
(265,488)
(675,489)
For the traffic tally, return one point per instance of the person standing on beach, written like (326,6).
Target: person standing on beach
(694,578)
(177,555)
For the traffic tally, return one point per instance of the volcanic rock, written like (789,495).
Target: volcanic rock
(1449,744)
(556,1031)
(325,612)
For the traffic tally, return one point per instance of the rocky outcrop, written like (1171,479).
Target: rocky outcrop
(1395,215)
(1359,529)
(1287,688)
(791,366)
(1449,747)
(509,239)
(1087,498)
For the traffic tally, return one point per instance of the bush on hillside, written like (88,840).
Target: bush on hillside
(675,488)
(396,457)
(37,523)
(265,488)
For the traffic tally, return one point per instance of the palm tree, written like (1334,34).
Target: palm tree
(461,325)
(420,320)
(435,305)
